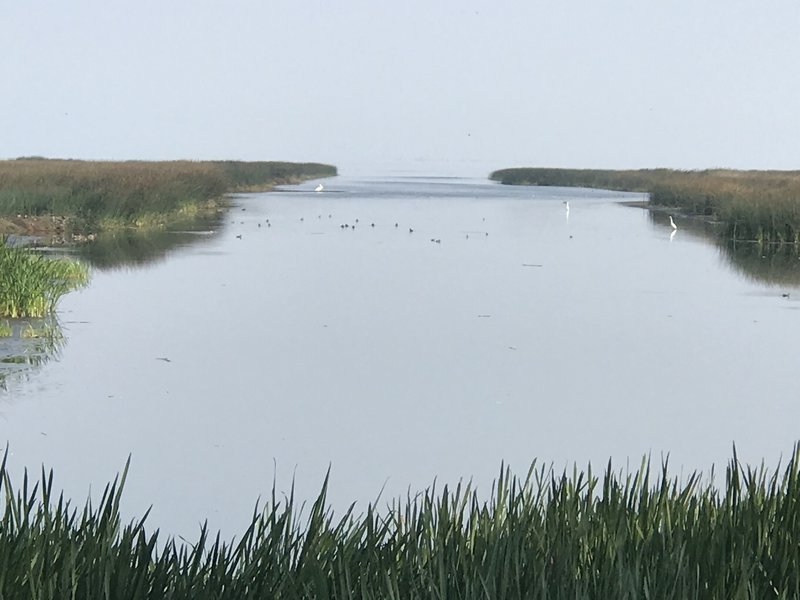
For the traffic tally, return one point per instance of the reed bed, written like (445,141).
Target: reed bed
(31,284)
(544,536)
(258,176)
(761,206)
(100,194)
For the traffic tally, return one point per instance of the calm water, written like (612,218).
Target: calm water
(528,331)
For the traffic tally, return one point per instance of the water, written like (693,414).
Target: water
(525,332)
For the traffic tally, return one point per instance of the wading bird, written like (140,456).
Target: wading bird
(672,223)
(319,188)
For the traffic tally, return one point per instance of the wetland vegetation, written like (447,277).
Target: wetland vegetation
(31,283)
(75,197)
(575,534)
(761,206)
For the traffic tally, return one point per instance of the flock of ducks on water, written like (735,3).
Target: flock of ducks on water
(352,227)
(320,188)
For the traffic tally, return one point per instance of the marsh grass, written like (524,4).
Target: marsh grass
(31,284)
(105,194)
(258,176)
(547,535)
(762,206)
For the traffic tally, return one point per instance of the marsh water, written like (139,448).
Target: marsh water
(404,330)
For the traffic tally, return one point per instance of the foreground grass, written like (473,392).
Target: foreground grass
(763,206)
(31,284)
(545,536)
(94,195)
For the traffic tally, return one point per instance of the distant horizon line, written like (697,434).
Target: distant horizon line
(412,167)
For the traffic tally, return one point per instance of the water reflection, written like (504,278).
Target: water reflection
(130,248)
(26,345)
(770,264)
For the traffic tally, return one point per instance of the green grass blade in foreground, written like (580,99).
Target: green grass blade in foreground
(548,535)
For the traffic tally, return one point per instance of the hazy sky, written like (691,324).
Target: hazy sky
(460,87)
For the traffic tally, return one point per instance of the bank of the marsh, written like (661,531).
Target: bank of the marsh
(77,198)
(761,206)
(547,535)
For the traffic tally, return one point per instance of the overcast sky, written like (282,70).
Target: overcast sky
(457,86)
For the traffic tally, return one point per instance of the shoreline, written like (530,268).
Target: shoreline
(56,202)
(760,206)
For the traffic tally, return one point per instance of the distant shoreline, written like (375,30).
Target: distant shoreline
(70,201)
(760,206)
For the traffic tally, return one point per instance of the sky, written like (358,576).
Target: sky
(452,87)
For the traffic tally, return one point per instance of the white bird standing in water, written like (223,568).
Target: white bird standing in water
(672,223)
(566,207)
(319,188)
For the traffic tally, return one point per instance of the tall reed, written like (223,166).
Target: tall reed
(31,284)
(762,206)
(545,536)
(100,193)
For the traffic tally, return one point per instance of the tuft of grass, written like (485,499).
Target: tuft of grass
(762,206)
(544,536)
(31,284)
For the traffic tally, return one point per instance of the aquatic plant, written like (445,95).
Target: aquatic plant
(31,284)
(547,535)
(761,206)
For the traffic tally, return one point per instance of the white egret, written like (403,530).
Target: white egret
(319,188)
(672,223)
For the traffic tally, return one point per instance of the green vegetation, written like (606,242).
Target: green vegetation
(761,206)
(94,195)
(31,284)
(259,176)
(546,536)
